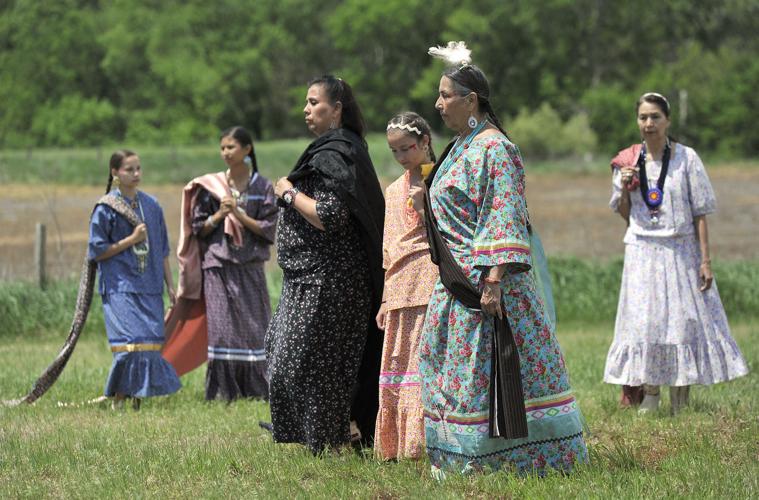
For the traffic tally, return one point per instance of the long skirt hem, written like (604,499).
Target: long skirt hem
(230,380)
(141,375)
(668,331)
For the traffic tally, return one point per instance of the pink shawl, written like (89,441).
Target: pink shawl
(188,251)
(627,157)
(186,327)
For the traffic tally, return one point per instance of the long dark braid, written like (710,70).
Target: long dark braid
(413,120)
(117,159)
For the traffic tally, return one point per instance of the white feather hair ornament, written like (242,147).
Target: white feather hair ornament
(454,54)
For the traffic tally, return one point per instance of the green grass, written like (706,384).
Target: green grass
(181,446)
(163,165)
(179,164)
(583,291)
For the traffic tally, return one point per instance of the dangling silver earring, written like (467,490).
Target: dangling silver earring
(472,121)
(248,162)
(332,124)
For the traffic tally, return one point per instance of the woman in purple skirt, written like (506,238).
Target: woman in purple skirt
(234,284)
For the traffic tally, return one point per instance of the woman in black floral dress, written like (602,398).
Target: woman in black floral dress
(322,345)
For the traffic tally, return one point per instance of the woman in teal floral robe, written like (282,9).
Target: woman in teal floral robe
(477,199)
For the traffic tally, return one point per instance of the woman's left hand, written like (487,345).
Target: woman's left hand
(282,185)
(706,275)
(491,300)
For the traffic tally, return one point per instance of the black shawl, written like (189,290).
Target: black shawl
(341,159)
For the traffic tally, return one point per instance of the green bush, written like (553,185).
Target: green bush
(76,121)
(612,117)
(584,291)
(588,292)
(542,134)
(28,310)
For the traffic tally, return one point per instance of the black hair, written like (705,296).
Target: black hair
(242,136)
(338,90)
(654,98)
(413,120)
(117,159)
(469,78)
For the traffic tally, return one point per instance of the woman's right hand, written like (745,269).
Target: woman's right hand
(381,317)
(628,174)
(139,234)
(491,299)
(226,208)
(416,194)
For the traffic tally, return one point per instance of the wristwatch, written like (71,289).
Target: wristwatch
(289,196)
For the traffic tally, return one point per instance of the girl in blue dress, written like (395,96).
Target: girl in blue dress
(133,266)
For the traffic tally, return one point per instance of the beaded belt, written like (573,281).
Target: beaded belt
(136,347)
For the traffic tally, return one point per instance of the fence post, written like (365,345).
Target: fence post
(39,254)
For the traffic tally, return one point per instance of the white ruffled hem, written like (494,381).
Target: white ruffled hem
(675,365)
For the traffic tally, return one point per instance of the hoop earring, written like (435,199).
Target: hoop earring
(472,121)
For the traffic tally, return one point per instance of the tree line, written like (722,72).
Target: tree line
(88,72)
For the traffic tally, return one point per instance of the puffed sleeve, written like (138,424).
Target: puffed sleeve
(616,189)
(101,226)
(700,191)
(267,213)
(501,235)
(205,205)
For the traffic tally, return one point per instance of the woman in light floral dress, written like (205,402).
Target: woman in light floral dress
(671,328)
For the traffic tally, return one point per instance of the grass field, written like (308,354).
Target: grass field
(182,447)
(177,165)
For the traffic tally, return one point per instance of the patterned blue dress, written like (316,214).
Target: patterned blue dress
(478,202)
(133,301)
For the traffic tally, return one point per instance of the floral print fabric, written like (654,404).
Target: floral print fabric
(410,276)
(478,202)
(667,331)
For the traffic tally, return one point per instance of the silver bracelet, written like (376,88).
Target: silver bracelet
(210,222)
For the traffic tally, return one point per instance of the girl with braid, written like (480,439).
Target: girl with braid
(410,277)
(133,266)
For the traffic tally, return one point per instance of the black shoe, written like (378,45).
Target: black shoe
(266,426)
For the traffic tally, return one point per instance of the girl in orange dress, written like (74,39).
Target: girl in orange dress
(410,277)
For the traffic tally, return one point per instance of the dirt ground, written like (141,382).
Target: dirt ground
(570,212)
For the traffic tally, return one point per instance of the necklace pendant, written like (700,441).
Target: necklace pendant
(654,219)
